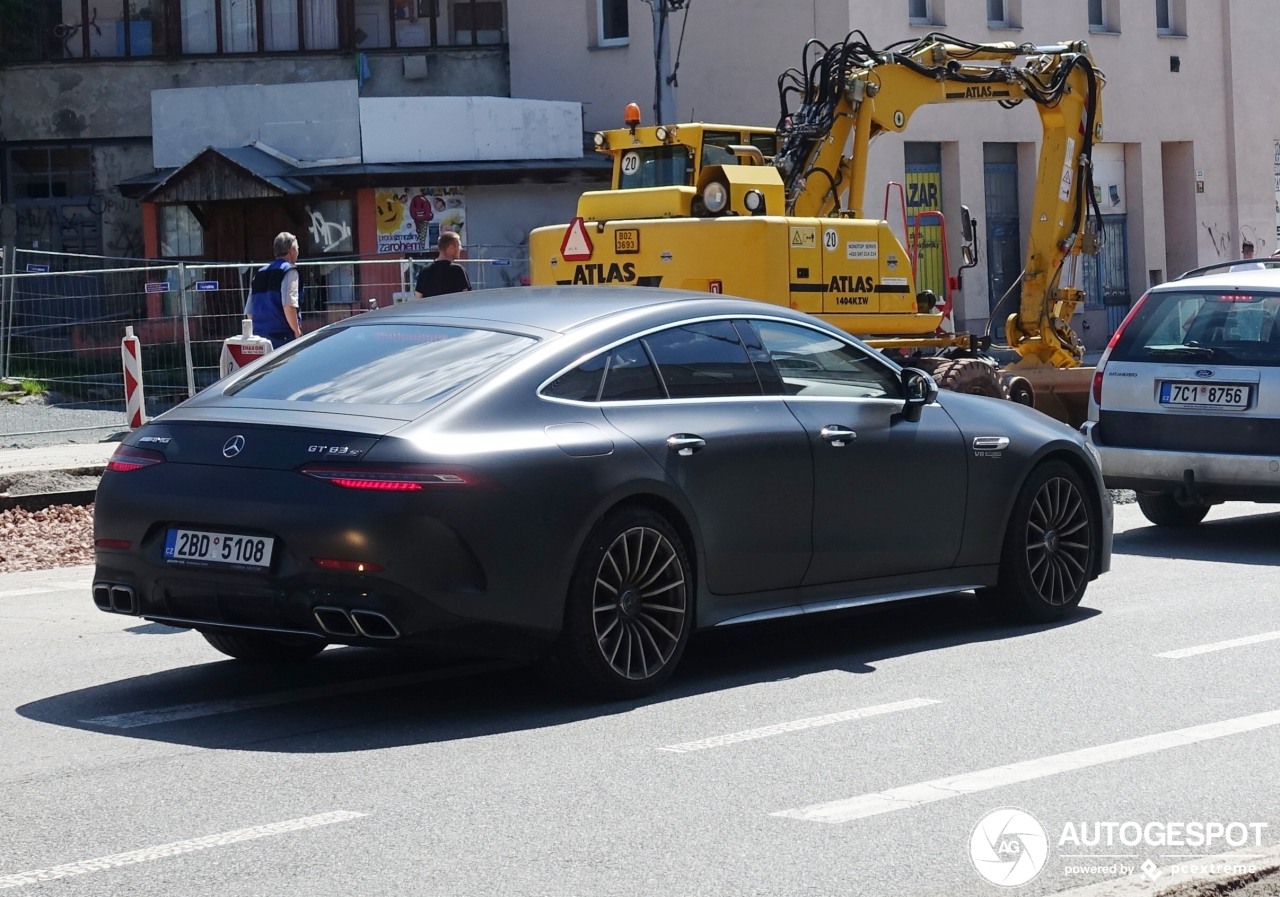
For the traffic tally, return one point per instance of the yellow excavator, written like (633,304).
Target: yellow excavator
(777,214)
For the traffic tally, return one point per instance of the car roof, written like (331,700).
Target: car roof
(1240,278)
(561,309)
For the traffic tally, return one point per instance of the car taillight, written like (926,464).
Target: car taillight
(1111,344)
(127,458)
(346,566)
(396,477)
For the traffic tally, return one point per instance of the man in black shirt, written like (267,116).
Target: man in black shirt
(443,276)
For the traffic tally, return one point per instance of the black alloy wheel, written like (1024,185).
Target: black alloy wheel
(629,610)
(1049,545)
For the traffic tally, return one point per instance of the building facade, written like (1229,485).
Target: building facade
(1187,168)
(197,129)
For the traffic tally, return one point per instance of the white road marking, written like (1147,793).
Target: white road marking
(909,796)
(176,848)
(273,699)
(46,587)
(1221,646)
(811,722)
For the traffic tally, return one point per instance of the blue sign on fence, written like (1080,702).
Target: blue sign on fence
(158,286)
(500,262)
(37,269)
(206,285)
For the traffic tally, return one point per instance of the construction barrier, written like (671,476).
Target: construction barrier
(135,411)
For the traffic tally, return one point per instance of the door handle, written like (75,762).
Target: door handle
(685,444)
(837,435)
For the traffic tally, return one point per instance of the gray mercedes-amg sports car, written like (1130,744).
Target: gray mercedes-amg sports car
(582,477)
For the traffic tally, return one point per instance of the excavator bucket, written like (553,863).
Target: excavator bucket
(1061,393)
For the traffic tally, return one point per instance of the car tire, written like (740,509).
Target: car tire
(1049,547)
(971,375)
(1163,509)
(261,647)
(629,609)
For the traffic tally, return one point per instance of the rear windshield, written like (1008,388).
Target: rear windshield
(1193,326)
(381,364)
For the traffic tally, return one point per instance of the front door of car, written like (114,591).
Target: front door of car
(742,459)
(889,494)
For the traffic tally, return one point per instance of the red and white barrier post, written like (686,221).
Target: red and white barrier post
(135,411)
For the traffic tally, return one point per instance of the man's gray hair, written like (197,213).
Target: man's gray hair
(284,242)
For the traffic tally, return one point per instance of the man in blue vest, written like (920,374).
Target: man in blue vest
(273,295)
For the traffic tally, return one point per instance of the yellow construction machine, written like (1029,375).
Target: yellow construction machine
(777,214)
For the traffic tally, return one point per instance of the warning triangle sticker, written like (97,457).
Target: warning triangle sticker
(576,245)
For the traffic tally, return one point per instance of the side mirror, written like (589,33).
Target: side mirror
(920,389)
(967,225)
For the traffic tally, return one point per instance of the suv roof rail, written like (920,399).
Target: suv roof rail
(1270,263)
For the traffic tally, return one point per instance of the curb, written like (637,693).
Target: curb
(38,501)
(1141,885)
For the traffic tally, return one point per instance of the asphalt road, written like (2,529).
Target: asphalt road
(845,756)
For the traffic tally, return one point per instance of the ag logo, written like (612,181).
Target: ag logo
(1008,847)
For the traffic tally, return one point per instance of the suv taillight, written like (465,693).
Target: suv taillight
(1111,344)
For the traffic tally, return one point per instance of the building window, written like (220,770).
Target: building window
(926,12)
(426,23)
(1171,17)
(1104,15)
(76,29)
(58,173)
(181,235)
(258,26)
(612,29)
(1004,13)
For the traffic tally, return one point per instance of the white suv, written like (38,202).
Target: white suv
(1185,406)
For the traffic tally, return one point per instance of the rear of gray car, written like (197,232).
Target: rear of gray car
(1185,406)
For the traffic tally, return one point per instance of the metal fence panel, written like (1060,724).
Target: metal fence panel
(62,317)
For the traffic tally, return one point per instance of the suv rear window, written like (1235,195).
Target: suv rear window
(385,364)
(1188,326)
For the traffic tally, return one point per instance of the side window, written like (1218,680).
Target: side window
(703,360)
(630,375)
(813,363)
(582,384)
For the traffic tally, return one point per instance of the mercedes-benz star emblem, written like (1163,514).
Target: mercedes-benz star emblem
(233,446)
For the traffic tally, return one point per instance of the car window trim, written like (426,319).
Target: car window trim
(733,318)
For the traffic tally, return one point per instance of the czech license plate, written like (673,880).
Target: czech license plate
(1204,395)
(187,546)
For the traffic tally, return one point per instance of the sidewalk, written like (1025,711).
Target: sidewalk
(75,456)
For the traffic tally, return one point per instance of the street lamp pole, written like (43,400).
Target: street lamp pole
(664,87)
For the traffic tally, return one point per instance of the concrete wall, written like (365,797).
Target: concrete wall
(309,122)
(734,51)
(450,129)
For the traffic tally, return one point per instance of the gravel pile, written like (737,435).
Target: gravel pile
(58,536)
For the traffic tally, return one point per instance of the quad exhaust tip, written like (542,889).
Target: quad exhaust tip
(352,623)
(115,599)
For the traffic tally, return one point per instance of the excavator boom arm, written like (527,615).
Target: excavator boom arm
(852,94)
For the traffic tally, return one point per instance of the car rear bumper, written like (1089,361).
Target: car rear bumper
(365,611)
(1209,476)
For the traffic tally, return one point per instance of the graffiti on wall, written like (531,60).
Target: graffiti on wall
(329,224)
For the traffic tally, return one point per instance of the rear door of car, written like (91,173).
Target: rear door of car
(740,457)
(1195,369)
